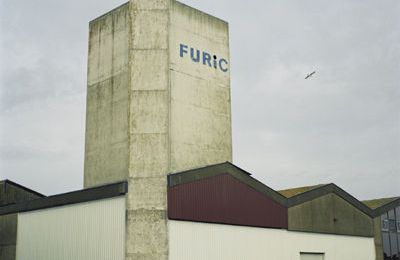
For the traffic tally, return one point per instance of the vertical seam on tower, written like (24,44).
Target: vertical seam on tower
(169,83)
(130,35)
(169,120)
(112,74)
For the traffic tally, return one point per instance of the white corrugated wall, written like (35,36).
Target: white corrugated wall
(85,231)
(202,241)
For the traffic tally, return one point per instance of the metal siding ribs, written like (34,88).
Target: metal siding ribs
(226,200)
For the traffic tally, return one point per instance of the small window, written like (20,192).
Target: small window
(311,256)
(384,222)
(385,225)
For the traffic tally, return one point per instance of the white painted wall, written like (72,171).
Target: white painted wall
(85,231)
(312,256)
(200,241)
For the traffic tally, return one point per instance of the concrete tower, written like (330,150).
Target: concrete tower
(158,101)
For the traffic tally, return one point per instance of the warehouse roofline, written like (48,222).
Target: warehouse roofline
(11,183)
(85,195)
(320,191)
(298,190)
(376,203)
(194,175)
(288,198)
(380,206)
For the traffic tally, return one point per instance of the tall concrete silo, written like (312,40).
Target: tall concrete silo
(158,101)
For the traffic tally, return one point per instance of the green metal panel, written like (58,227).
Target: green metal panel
(7,252)
(8,236)
(330,214)
(378,238)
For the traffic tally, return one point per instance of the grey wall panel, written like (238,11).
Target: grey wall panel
(92,230)
(330,214)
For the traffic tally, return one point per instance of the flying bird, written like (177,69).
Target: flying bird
(309,75)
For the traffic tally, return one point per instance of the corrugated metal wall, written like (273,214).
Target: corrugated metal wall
(224,199)
(203,241)
(85,231)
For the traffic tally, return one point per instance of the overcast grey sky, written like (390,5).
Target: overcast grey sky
(342,125)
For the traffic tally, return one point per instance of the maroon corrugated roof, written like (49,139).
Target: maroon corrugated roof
(227,200)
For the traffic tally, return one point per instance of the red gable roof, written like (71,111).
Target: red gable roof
(225,199)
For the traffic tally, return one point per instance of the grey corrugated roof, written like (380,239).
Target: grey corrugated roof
(95,193)
(295,191)
(9,182)
(376,203)
(382,205)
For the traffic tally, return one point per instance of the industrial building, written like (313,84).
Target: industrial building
(159,182)
(214,212)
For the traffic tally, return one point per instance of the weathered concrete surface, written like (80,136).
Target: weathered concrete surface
(151,112)
(148,130)
(8,236)
(200,120)
(378,238)
(330,214)
(106,144)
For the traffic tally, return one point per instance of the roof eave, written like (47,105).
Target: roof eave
(86,195)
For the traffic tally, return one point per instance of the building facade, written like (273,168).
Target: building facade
(158,179)
(215,212)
